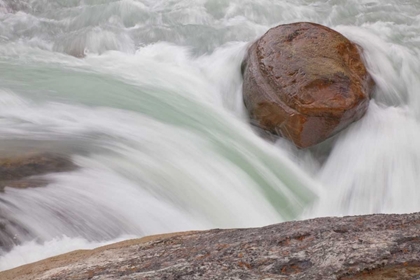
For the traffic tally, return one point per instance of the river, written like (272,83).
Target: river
(145,97)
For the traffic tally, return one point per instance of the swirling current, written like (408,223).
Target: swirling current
(145,97)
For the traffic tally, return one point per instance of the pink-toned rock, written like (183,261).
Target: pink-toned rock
(305,82)
(360,247)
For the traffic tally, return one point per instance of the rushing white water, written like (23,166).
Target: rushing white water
(145,96)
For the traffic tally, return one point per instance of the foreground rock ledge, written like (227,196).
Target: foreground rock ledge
(305,82)
(360,247)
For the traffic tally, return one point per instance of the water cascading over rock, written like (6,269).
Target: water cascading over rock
(305,82)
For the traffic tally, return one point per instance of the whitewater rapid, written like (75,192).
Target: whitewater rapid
(145,97)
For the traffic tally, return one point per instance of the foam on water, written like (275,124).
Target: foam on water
(145,96)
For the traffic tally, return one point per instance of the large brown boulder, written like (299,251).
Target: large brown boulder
(305,82)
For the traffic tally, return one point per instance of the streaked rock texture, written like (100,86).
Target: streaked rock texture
(360,247)
(305,82)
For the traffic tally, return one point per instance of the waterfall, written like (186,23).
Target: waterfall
(145,98)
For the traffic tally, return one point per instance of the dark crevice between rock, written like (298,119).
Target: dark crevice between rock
(294,266)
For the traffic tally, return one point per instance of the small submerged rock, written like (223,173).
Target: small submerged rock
(20,172)
(305,82)
(14,171)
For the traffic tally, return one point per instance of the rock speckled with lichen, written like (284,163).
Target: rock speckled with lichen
(358,247)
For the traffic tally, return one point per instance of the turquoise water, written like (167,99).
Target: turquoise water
(145,96)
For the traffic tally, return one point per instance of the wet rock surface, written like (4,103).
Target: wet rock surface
(22,172)
(305,82)
(359,247)
(14,171)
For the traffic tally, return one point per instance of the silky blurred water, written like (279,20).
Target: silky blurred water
(145,97)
